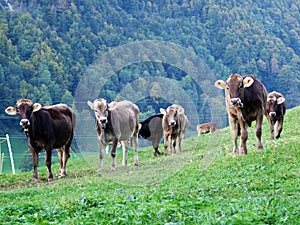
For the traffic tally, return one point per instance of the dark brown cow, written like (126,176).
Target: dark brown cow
(152,130)
(116,122)
(275,110)
(174,125)
(206,128)
(246,99)
(48,128)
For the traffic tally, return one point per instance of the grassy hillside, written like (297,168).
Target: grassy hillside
(201,185)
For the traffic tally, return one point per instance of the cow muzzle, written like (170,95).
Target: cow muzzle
(236,102)
(103,121)
(272,114)
(172,123)
(25,124)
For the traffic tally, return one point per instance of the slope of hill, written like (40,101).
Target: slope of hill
(201,185)
(47,46)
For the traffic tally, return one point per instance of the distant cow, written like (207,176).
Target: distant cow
(206,128)
(246,99)
(116,122)
(275,110)
(48,128)
(174,125)
(152,130)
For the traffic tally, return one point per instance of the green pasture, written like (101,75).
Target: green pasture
(203,184)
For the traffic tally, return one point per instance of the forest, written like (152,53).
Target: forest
(48,46)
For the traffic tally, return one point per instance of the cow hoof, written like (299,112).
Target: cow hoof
(99,170)
(62,176)
(50,179)
(113,168)
(35,179)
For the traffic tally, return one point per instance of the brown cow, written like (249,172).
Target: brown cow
(246,99)
(206,128)
(174,125)
(152,130)
(116,122)
(275,110)
(48,128)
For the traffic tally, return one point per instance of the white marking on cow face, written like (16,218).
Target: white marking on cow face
(236,102)
(272,114)
(172,123)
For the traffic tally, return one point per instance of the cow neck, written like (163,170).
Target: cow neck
(108,126)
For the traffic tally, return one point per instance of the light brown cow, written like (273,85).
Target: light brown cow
(246,99)
(116,122)
(275,110)
(174,124)
(206,128)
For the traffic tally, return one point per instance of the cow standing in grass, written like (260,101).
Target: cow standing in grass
(174,125)
(152,130)
(49,127)
(116,122)
(246,99)
(275,110)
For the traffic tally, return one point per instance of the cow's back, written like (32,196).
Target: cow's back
(53,126)
(124,119)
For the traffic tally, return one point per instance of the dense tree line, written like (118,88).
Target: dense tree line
(46,46)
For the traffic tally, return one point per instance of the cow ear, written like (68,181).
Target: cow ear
(248,81)
(220,84)
(162,111)
(36,107)
(90,104)
(112,105)
(280,100)
(181,111)
(11,110)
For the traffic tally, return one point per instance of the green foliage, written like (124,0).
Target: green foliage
(53,43)
(203,184)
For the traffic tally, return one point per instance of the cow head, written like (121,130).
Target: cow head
(100,108)
(24,108)
(171,114)
(234,88)
(274,99)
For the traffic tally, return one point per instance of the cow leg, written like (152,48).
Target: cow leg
(271,128)
(101,150)
(244,137)
(35,161)
(113,153)
(156,151)
(173,145)
(233,133)
(279,125)
(125,154)
(258,131)
(155,144)
(134,140)
(166,143)
(48,163)
(63,155)
(178,141)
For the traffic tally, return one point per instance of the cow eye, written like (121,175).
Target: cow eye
(95,110)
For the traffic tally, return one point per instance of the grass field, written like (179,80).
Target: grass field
(203,184)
